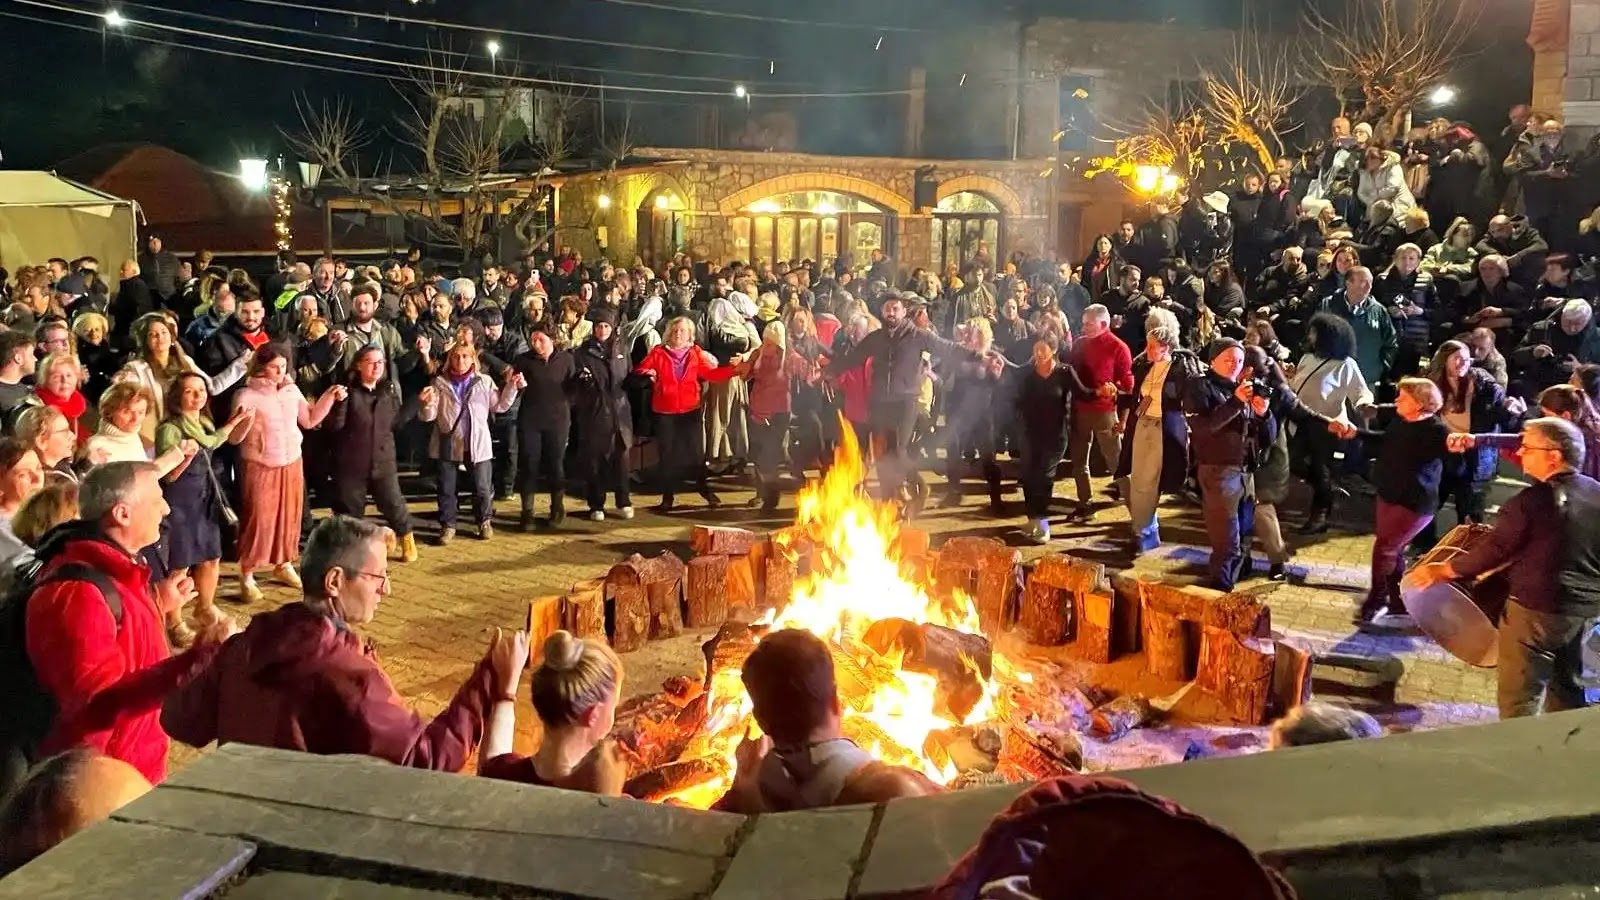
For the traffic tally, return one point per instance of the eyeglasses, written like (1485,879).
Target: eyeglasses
(1526,447)
(383,578)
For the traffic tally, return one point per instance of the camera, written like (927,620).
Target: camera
(1266,390)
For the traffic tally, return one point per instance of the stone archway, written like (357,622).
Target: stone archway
(816,181)
(995,190)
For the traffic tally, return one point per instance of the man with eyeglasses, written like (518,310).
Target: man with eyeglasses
(1548,537)
(299,678)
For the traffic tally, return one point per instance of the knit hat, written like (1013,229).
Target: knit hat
(603,315)
(1218,346)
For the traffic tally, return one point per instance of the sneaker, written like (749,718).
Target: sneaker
(627,512)
(596,515)
(408,549)
(446,535)
(1277,572)
(485,531)
(249,591)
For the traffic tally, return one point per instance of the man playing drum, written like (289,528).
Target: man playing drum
(1550,536)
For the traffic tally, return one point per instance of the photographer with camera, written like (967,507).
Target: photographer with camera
(1229,426)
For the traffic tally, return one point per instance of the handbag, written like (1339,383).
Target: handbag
(224,511)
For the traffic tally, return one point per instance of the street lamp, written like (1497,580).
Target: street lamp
(740,92)
(1443,95)
(603,201)
(494,48)
(110,19)
(253,174)
(115,19)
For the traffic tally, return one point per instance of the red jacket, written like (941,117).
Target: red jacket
(297,680)
(108,682)
(671,395)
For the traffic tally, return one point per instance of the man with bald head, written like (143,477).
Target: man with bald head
(1523,247)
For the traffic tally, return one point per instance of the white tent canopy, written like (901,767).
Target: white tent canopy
(43,215)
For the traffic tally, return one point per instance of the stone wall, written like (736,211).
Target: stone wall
(715,186)
(1495,810)
(1575,50)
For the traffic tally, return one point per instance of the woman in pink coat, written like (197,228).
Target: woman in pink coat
(273,478)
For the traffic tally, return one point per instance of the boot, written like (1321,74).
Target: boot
(769,496)
(992,473)
(525,521)
(668,504)
(408,548)
(1317,524)
(711,498)
(558,508)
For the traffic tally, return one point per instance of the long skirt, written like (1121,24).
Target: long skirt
(269,520)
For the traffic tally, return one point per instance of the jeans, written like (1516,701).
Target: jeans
(766,446)
(1395,528)
(1096,428)
(1222,489)
(1540,662)
(350,499)
(1144,483)
(482,475)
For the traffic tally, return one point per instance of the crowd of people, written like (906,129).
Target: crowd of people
(1308,323)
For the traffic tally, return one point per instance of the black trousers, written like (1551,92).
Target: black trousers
(542,451)
(503,434)
(608,472)
(350,494)
(1037,472)
(894,422)
(683,451)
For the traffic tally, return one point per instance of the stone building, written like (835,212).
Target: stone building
(986,162)
(1565,37)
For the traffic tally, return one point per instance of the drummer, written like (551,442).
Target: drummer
(1549,536)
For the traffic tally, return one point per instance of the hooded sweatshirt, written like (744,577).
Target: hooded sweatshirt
(1445,258)
(299,680)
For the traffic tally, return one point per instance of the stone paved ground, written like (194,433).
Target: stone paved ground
(444,607)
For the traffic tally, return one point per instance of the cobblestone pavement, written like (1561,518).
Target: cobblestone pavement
(444,607)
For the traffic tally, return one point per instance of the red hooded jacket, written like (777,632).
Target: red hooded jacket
(298,680)
(108,682)
(671,395)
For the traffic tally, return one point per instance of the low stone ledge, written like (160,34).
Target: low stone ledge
(798,856)
(120,859)
(299,886)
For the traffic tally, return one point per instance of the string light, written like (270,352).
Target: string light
(282,212)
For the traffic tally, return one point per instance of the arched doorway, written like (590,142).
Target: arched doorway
(662,218)
(816,225)
(963,224)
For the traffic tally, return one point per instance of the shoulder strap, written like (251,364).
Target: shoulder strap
(84,572)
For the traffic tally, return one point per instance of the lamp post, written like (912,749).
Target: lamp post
(111,19)
(494,53)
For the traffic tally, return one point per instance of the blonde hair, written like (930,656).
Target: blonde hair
(85,320)
(35,421)
(674,325)
(576,675)
(982,327)
(122,395)
(1418,218)
(49,363)
(1424,392)
(48,507)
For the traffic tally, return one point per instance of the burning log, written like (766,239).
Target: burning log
(706,590)
(730,647)
(778,586)
(657,784)
(985,569)
(1120,716)
(1034,756)
(910,543)
(584,611)
(714,540)
(681,689)
(545,616)
(859,675)
(931,649)
(656,729)
(1238,671)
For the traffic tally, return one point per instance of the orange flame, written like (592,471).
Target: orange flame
(856,580)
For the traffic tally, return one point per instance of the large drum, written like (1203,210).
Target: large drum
(1462,615)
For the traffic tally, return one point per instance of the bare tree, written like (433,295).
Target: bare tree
(1158,136)
(1248,96)
(330,133)
(1390,51)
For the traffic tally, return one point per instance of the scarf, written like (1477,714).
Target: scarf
(460,384)
(256,339)
(680,360)
(72,406)
(198,430)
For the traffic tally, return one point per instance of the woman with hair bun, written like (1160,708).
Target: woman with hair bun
(575,692)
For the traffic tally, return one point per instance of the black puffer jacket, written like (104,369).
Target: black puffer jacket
(1223,431)
(896,351)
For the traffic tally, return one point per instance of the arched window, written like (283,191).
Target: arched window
(966,224)
(809,224)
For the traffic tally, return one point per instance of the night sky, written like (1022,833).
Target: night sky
(218,108)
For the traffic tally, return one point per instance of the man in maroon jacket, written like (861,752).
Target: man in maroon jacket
(298,678)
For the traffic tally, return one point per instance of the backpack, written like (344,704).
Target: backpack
(30,711)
